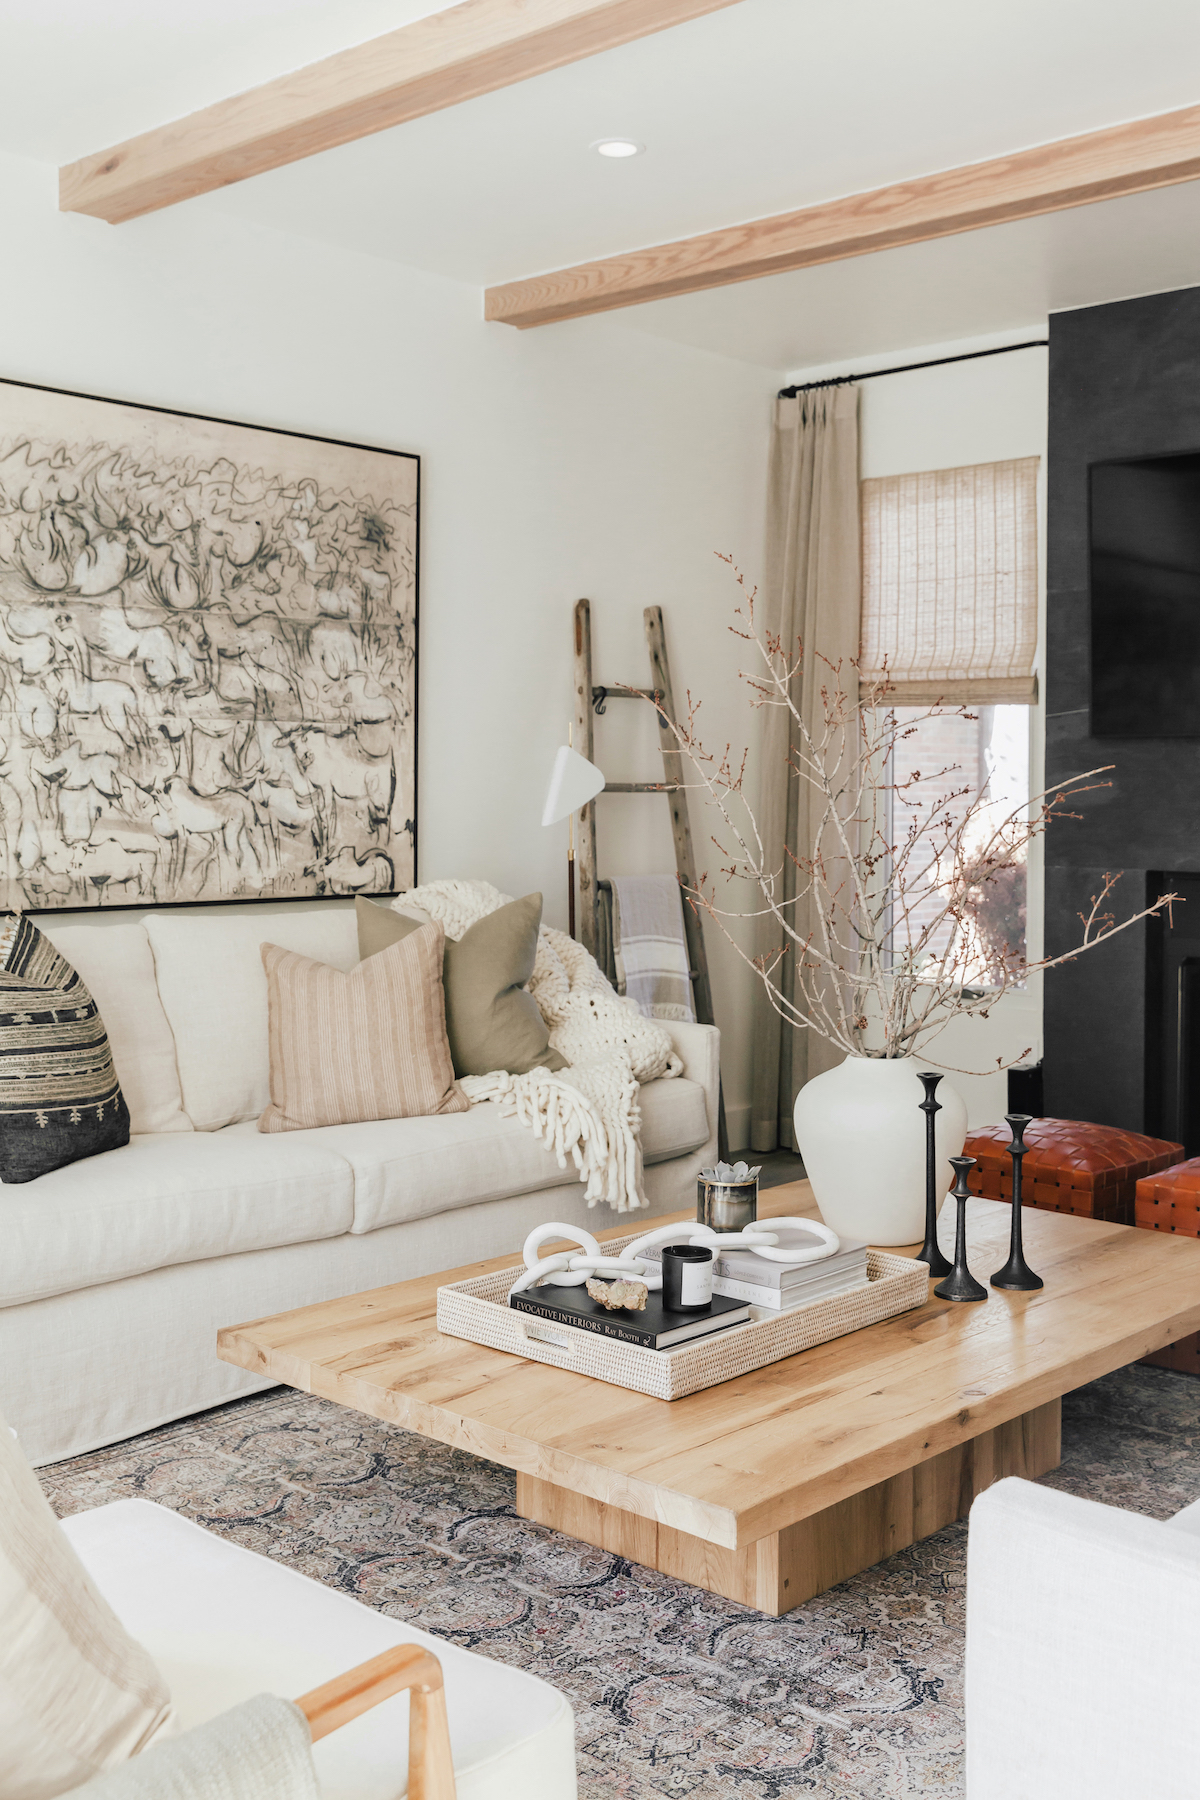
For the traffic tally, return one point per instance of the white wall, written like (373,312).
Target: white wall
(990,410)
(584,459)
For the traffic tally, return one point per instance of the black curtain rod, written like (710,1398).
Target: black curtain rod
(935,362)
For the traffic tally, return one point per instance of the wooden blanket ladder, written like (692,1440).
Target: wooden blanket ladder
(590,700)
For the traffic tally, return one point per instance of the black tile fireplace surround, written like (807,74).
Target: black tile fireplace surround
(1124,382)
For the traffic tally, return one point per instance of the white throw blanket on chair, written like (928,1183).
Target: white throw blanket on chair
(588,1111)
(260,1750)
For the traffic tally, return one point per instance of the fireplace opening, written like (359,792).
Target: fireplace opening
(1173,1015)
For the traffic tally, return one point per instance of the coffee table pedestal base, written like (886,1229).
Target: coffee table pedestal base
(791,1566)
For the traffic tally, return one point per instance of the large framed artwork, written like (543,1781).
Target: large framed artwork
(208,644)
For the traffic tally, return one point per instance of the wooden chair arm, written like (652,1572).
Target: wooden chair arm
(430,1764)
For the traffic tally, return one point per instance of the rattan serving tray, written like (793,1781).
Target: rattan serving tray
(478,1309)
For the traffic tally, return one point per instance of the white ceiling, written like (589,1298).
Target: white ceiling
(78,75)
(1005,280)
(768,105)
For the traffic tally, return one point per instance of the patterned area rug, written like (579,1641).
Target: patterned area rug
(681,1693)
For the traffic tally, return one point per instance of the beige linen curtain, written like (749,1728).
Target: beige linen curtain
(813,593)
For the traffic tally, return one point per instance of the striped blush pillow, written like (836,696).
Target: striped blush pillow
(368,1045)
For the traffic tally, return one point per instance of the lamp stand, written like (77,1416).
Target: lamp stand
(571,876)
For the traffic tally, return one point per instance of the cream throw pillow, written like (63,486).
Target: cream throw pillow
(116,965)
(77,1694)
(214,992)
(368,1045)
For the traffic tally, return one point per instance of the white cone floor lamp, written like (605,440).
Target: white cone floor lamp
(573,782)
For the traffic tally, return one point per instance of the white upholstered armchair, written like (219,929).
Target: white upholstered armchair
(144,1658)
(223,1624)
(1083,1649)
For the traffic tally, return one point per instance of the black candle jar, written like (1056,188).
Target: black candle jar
(687,1277)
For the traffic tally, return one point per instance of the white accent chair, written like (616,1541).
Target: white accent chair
(224,1624)
(1082,1659)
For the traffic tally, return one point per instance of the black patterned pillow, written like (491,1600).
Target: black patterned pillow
(59,1094)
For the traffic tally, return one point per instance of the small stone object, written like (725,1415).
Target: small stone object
(618,1296)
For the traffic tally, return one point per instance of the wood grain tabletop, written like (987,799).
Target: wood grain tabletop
(755,1454)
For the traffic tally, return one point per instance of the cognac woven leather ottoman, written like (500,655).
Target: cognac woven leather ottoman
(1170,1201)
(1073,1167)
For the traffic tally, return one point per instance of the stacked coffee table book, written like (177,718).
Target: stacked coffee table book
(599,1311)
(767,1288)
(653,1325)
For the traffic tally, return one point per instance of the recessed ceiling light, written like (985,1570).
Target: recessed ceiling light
(618,147)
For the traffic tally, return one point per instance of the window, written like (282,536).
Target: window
(949,609)
(949,615)
(984,751)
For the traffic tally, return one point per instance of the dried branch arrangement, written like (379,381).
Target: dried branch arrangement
(890,918)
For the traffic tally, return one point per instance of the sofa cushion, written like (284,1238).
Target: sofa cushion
(169,1198)
(674,1119)
(370,1044)
(116,964)
(224,1623)
(214,993)
(413,1168)
(60,1099)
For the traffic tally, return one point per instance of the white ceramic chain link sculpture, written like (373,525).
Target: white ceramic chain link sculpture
(571,1268)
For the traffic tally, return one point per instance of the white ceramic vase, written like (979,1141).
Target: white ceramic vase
(861,1133)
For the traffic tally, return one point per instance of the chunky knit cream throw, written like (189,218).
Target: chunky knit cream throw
(588,1111)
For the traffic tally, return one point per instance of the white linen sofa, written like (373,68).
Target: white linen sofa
(116,1272)
(1081,1649)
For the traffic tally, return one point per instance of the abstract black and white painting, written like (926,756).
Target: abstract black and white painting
(207,658)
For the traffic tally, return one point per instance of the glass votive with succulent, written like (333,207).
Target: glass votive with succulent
(727,1196)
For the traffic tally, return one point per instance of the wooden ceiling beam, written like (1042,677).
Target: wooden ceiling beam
(438,61)
(1100,165)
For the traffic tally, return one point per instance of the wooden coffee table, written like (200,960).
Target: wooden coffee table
(771,1488)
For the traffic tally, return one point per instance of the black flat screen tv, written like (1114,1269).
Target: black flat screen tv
(1145,597)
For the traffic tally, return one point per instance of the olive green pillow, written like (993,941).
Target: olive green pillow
(492,1023)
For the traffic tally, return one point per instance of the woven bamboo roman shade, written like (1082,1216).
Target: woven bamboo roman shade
(950,582)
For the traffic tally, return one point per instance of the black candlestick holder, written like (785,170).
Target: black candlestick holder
(930,1251)
(960,1284)
(1016,1272)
